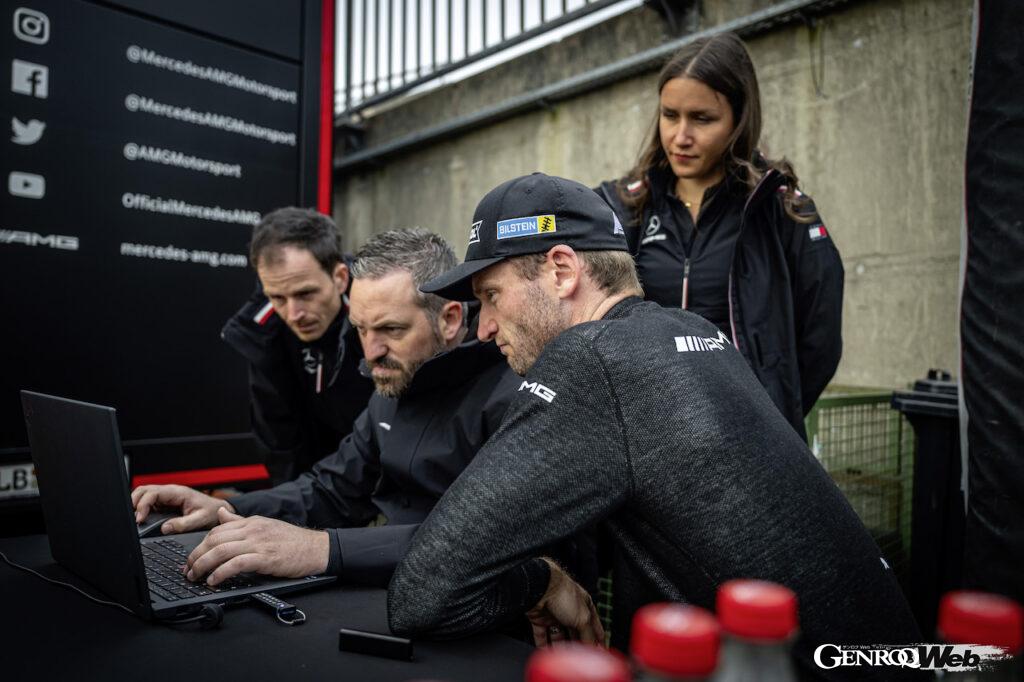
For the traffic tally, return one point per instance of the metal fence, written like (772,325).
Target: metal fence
(868,449)
(391,46)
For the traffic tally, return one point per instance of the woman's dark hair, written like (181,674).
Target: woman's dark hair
(722,63)
(302,228)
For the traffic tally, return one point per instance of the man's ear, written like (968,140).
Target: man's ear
(449,322)
(340,277)
(566,268)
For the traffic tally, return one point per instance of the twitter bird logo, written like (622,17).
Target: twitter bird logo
(26,133)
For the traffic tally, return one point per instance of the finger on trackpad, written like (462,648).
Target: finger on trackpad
(151,526)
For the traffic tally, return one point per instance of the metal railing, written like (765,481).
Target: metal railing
(782,13)
(390,47)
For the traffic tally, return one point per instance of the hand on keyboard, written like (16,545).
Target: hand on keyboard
(257,545)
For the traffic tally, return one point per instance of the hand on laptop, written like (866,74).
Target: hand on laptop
(198,511)
(256,544)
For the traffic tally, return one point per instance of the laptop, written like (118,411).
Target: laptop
(83,486)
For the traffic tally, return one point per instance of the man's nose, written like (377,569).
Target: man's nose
(373,347)
(486,327)
(295,310)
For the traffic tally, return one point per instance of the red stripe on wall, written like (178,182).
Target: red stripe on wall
(204,477)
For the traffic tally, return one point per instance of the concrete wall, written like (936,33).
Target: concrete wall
(870,107)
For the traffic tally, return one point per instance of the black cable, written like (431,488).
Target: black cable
(64,584)
(208,616)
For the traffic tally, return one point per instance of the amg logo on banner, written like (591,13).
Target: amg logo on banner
(54,241)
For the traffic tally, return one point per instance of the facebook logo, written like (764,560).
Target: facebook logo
(30,79)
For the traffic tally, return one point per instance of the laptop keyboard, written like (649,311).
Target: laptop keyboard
(164,560)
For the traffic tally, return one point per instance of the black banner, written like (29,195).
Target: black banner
(992,324)
(141,150)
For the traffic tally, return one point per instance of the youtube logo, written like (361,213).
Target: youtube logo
(27,185)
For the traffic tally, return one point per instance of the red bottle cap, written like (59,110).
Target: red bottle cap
(675,639)
(967,617)
(576,663)
(757,609)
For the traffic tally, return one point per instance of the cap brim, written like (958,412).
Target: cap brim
(457,283)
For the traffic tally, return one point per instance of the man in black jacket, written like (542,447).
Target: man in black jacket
(304,380)
(643,418)
(438,398)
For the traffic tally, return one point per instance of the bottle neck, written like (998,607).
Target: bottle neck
(744,660)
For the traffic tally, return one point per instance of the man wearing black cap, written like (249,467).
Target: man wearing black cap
(640,418)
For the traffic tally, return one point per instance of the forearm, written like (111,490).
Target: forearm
(368,556)
(335,494)
(438,608)
(287,502)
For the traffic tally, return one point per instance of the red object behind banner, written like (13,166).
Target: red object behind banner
(324,167)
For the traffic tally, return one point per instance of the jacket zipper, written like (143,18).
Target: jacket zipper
(320,372)
(686,282)
(687,250)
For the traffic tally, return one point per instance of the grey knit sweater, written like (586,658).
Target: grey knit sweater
(652,423)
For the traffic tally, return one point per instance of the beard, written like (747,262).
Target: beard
(541,322)
(395,385)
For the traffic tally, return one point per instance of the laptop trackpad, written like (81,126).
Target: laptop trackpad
(151,526)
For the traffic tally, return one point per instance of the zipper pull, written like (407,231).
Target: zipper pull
(320,372)
(686,282)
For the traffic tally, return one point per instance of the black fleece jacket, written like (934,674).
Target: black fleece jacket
(650,422)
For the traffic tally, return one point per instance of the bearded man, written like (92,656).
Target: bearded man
(437,399)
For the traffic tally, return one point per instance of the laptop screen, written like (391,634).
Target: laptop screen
(85,497)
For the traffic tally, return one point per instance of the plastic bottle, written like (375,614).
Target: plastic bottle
(759,623)
(986,619)
(576,663)
(674,642)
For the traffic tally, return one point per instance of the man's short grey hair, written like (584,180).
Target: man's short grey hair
(421,253)
(614,272)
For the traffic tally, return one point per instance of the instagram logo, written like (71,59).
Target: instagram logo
(31,26)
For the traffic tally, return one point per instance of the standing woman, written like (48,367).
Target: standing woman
(720,230)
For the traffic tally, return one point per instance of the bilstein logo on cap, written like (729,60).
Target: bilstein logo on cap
(474,232)
(526,226)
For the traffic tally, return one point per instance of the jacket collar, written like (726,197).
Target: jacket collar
(661,185)
(769,184)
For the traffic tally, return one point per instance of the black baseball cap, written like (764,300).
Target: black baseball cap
(530,214)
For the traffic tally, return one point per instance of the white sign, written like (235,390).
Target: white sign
(18,480)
